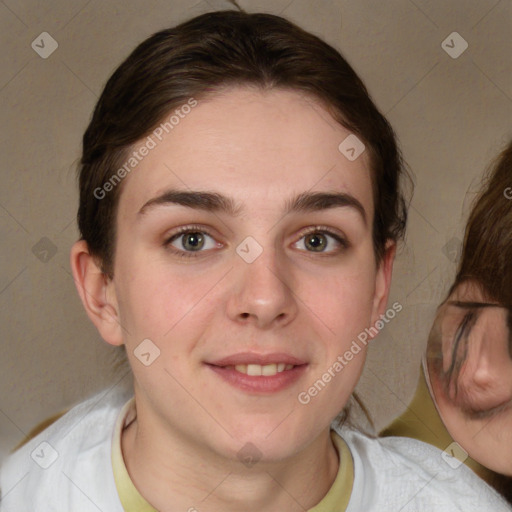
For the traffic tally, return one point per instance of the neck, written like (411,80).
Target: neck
(168,467)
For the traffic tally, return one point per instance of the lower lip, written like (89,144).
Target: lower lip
(260,384)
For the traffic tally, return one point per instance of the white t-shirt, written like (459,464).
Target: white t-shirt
(68,468)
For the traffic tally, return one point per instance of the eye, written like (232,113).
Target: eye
(189,240)
(320,239)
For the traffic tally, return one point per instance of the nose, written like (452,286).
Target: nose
(262,292)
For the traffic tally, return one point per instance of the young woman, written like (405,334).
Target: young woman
(465,390)
(239,210)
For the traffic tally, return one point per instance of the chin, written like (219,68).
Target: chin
(263,443)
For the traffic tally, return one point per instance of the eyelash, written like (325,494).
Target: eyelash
(324,230)
(198,229)
(183,231)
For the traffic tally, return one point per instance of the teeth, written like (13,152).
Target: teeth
(256,369)
(267,371)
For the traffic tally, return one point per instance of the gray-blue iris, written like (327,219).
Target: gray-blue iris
(193,241)
(316,241)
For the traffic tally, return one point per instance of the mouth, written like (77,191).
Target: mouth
(257,370)
(259,373)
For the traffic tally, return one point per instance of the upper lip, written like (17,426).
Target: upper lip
(261,359)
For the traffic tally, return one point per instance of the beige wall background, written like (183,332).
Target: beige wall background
(452,115)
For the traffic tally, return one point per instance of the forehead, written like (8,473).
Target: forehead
(261,147)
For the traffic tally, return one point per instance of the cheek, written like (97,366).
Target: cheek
(345,301)
(157,303)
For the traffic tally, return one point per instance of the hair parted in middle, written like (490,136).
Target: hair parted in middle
(208,55)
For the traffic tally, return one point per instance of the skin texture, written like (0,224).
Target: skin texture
(261,149)
(472,379)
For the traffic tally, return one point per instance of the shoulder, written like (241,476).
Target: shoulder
(398,473)
(66,466)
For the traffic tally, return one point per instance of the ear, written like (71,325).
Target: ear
(383,281)
(97,293)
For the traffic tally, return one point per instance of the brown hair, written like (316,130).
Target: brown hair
(204,55)
(487,251)
(487,260)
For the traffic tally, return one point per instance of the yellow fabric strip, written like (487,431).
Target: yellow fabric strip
(339,494)
(131,499)
(336,499)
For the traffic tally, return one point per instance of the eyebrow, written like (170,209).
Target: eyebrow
(215,202)
(317,201)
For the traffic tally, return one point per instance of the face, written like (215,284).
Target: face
(470,369)
(244,253)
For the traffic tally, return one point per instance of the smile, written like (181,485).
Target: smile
(260,379)
(258,370)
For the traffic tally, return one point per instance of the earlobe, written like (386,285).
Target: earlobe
(383,281)
(97,293)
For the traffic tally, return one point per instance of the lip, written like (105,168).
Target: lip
(259,384)
(224,368)
(261,359)
(253,384)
